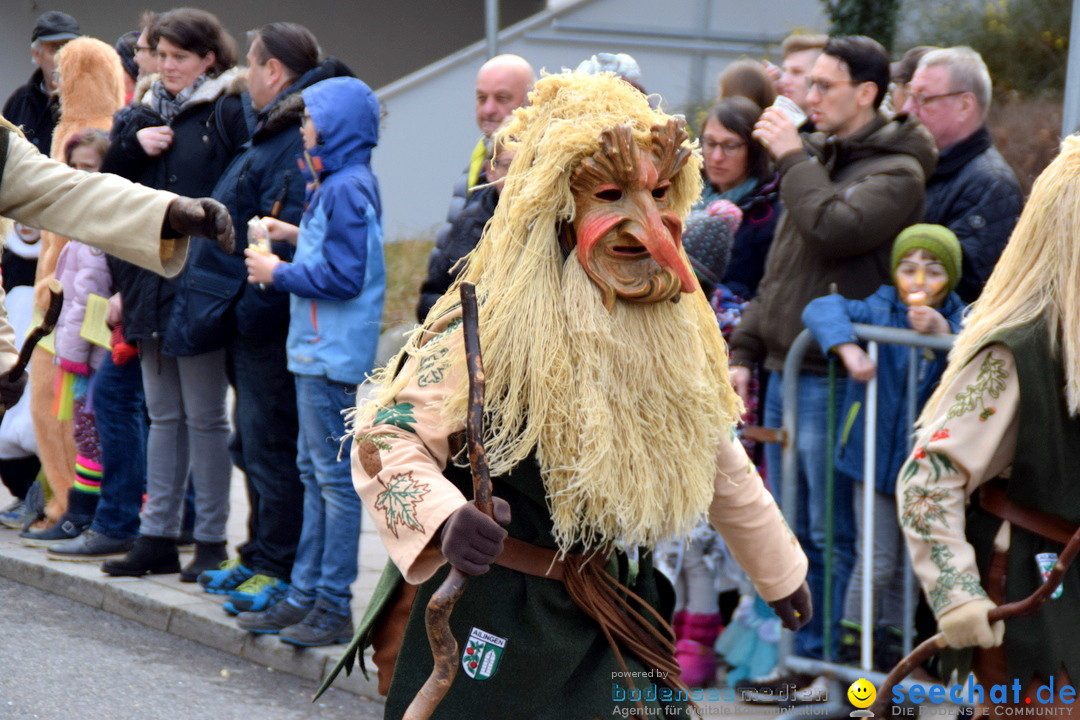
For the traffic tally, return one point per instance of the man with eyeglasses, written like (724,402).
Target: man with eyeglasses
(34,107)
(847,191)
(973,191)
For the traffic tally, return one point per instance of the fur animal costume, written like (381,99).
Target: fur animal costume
(91,89)
(609,420)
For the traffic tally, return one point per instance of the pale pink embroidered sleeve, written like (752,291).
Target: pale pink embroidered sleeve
(748,518)
(970,440)
(397,464)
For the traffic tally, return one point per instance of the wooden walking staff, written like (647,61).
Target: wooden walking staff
(1021,608)
(48,324)
(444,647)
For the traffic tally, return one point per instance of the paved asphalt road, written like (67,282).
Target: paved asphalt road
(61,660)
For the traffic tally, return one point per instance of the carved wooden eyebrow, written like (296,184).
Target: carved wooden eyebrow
(668,148)
(617,160)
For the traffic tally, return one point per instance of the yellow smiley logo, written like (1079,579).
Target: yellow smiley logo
(861,694)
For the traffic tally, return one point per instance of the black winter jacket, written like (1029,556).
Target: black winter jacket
(208,131)
(213,297)
(35,112)
(465,232)
(975,194)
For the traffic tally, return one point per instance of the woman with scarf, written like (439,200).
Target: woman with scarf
(180,135)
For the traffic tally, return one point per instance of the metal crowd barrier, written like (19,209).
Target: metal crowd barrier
(843,675)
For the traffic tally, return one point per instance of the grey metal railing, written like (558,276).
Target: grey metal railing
(874,335)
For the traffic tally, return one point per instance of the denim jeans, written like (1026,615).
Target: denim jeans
(810,523)
(120,412)
(326,559)
(264,448)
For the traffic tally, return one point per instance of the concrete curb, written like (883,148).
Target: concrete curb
(164,603)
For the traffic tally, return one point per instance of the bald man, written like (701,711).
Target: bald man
(502,85)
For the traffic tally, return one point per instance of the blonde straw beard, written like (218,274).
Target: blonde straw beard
(636,459)
(1037,275)
(624,409)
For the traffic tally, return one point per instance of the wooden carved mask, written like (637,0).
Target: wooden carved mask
(626,231)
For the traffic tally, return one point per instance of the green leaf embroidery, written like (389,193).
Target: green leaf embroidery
(400,415)
(379,441)
(970,584)
(923,506)
(399,502)
(432,368)
(451,327)
(947,581)
(940,555)
(990,381)
(940,463)
(939,595)
(909,471)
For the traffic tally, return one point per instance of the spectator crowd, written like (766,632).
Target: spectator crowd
(837,188)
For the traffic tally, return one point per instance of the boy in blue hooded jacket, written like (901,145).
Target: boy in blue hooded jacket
(337,280)
(926,266)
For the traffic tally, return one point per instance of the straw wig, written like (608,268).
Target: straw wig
(624,409)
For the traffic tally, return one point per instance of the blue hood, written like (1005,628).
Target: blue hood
(346,114)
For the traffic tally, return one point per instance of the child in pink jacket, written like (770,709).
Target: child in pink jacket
(83,272)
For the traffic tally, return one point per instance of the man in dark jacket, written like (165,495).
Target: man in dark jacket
(847,191)
(34,106)
(503,84)
(973,191)
(263,180)
(464,233)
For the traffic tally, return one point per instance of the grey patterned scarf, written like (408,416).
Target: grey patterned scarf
(169,106)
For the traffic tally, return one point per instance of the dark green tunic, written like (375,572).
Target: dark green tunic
(1045,476)
(556,662)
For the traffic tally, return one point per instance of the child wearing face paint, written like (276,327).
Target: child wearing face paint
(926,262)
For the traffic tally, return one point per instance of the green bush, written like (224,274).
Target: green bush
(1025,43)
(874,18)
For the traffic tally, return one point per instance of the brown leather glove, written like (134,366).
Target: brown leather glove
(11,390)
(470,540)
(203,217)
(795,610)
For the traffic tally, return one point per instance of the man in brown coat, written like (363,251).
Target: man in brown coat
(847,190)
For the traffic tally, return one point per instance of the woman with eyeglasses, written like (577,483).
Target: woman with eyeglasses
(180,135)
(737,168)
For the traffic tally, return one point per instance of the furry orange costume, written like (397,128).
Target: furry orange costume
(91,89)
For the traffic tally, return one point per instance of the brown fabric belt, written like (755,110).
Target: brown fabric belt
(994,501)
(531,559)
(605,600)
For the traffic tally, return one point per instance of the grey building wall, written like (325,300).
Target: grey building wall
(421,57)
(681,45)
(381,40)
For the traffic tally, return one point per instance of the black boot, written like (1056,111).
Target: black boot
(208,556)
(150,556)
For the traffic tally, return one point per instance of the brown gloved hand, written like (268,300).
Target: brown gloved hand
(968,625)
(204,217)
(796,609)
(11,390)
(470,540)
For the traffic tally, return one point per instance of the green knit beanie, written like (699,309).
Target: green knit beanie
(937,240)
